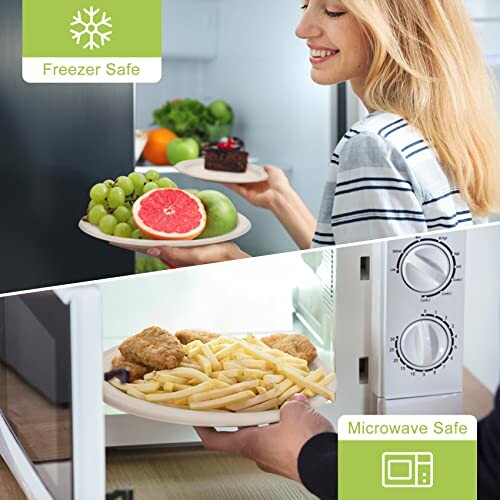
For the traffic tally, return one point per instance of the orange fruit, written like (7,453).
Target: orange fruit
(156,147)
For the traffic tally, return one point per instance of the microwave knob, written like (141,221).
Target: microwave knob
(425,344)
(427,267)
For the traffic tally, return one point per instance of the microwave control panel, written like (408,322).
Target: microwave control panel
(422,342)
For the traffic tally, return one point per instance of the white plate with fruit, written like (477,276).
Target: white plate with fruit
(149,211)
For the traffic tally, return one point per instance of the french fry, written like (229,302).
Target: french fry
(190,373)
(224,353)
(272,404)
(300,380)
(168,387)
(313,377)
(328,379)
(257,364)
(256,400)
(231,365)
(219,393)
(216,364)
(233,373)
(191,365)
(132,391)
(221,402)
(147,387)
(227,380)
(261,390)
(252,339)
(254,373)
(172,396)
(204,363)
(273,379)
(166,377)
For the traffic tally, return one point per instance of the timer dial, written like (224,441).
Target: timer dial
(425,344)
(427,267)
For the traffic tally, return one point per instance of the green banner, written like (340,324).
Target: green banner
(407,457)
(76,40)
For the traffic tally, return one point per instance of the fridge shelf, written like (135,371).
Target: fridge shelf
(486,19)
(161,170)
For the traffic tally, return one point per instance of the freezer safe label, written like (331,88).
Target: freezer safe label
(407,457)
(92,41)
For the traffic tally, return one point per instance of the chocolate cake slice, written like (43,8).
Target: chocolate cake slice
(226,156)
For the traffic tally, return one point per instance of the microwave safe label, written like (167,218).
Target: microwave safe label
(395,457)
(92,41)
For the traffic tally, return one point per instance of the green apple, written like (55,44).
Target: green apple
(182,150)
(222,112)
(222,216)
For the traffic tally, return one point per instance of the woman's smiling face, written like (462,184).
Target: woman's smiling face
(336,41)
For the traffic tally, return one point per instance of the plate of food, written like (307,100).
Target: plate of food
(147,211)
(243,226)
(209,380)
(226,162)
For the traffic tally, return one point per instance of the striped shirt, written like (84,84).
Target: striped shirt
(385,181)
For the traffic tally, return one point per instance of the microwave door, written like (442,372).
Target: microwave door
(50,399)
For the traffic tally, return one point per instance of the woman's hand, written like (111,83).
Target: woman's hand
(274,448)
(208,254)
(276,194)
(266,194)
(184,257)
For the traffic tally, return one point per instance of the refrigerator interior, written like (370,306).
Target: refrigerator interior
(246,53)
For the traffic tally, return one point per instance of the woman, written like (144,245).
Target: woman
(426,156)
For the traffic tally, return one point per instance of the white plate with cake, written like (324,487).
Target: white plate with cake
(225,162)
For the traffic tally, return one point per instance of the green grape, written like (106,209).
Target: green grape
(109,183)
(123,230)
(131,223)
(157,265)
(140,265)
(122,214)
(126,184)
(108,224)
(138,180)
(128,205)
(137,234)
(96,214)
(152,175)
(91,205)
(116,197)
(99,192)
(150,186)
(165,182)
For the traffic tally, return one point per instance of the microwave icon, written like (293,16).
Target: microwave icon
(407,470)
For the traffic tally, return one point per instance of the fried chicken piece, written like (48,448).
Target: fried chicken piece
(136,372)
(187,336)
(294,344)
(153,347)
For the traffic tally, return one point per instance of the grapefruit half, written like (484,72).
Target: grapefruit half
(170,214)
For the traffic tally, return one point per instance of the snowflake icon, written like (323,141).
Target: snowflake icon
(91,28)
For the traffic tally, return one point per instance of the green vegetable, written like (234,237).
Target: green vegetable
(191,118)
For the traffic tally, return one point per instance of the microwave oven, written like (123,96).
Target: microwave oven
(388,316)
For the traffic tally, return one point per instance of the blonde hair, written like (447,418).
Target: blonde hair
(427,66)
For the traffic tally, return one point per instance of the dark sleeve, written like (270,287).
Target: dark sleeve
(488,459)
(318,465)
